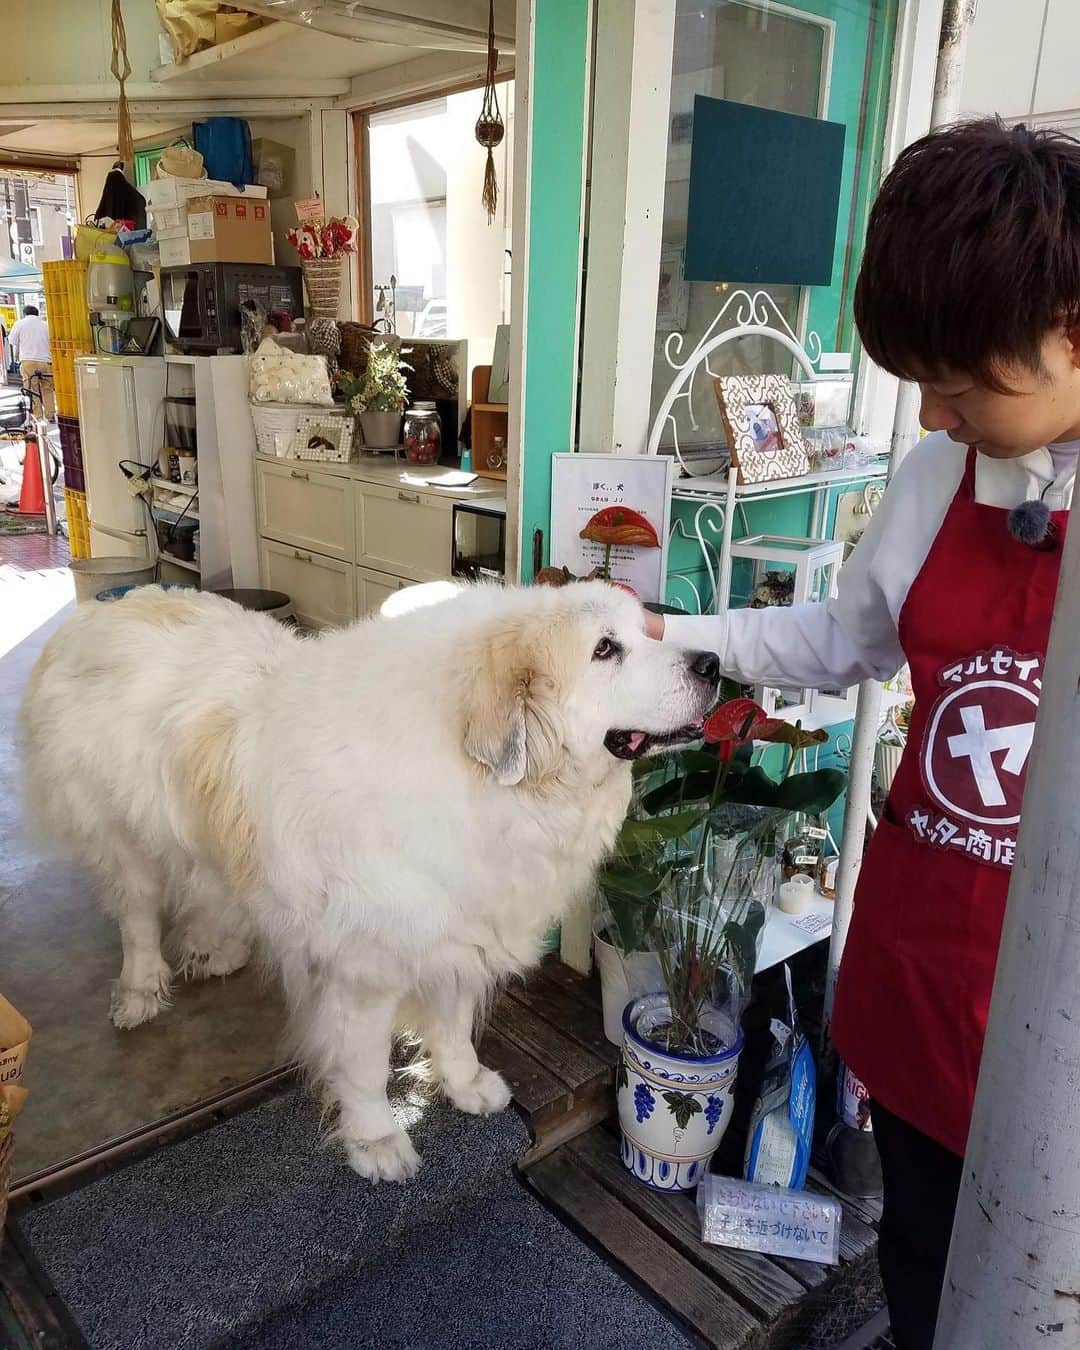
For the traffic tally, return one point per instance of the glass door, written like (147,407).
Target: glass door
(818,59)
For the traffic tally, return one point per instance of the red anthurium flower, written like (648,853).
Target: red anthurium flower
(738,721)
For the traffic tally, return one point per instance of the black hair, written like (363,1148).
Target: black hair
(972,252)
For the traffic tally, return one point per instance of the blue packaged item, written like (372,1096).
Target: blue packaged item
(225,145)
(782,1122)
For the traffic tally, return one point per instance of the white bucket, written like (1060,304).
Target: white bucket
(99,574)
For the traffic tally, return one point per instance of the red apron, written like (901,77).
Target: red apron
(916,977)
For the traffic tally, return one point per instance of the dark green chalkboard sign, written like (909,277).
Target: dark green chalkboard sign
(764,193)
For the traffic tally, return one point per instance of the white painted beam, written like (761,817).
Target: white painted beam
(631,101)
(39,102)
(441,25)
(421,76)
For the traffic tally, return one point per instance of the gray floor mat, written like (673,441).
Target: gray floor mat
(251,1234)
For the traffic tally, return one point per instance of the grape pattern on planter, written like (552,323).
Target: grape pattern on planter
(714,1109)
(644,1102)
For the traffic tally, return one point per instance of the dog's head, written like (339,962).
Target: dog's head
(568,673)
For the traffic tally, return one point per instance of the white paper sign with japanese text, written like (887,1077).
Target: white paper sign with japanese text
(769,1219)
(582,485)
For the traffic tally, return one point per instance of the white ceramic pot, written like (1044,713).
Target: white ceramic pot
(673,1109)
(618,973)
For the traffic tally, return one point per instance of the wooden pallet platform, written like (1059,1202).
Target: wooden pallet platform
(546,1037)
(732,1300)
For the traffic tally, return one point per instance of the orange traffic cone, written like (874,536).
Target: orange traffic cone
(32,496)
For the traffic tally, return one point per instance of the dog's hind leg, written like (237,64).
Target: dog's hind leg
(134,897)
(214,936)
(346,1034)
(447,1012)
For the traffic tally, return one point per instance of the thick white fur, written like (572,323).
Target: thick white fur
(398,810)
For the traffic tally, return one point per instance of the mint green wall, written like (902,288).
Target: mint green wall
(559,78)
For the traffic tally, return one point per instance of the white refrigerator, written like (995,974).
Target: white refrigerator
(121,414)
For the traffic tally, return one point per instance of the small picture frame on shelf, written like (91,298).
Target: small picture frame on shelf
(761,422)
(673,296)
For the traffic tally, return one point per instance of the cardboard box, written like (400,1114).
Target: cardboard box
(173,192)
(229,229)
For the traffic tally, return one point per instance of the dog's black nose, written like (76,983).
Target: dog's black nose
(706,666)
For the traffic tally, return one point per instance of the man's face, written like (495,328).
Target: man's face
(1042,407)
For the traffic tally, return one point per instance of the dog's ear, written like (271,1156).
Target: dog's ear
(511,715)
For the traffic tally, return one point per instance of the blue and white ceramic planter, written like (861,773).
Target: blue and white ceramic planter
(673,1109)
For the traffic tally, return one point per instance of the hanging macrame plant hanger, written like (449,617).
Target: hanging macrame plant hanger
(489,125)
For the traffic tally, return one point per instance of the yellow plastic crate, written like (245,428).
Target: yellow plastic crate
(78,522)
(63,363)
(65,300)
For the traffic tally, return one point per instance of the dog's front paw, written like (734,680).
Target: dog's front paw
(131,1007)
(233,954)
(483,1095)
(392,1158)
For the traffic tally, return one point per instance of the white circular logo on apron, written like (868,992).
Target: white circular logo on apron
(978,739)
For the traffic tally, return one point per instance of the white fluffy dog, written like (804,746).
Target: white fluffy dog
(398,810)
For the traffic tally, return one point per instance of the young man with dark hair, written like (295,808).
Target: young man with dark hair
(970,285)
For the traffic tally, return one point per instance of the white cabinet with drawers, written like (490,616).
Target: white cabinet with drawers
(340,538)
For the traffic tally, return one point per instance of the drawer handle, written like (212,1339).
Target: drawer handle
(295,473)
(303,557)
(409,497)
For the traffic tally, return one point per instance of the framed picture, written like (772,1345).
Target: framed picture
(673,298)
(762,425)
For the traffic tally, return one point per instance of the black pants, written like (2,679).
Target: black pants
(922,1180)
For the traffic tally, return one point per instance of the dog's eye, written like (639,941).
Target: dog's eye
(606,649)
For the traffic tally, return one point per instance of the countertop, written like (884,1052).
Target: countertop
(387,472)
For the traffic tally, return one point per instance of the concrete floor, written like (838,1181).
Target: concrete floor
(90,1083)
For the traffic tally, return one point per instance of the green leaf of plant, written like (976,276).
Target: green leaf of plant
(811,793)
(630,879)
(637,836)
(683,1106)
(740,942)
(692,787)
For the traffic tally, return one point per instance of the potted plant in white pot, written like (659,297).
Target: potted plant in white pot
(379,395)
(696,866)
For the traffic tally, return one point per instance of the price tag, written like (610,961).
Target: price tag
(769,1219)
(309,208)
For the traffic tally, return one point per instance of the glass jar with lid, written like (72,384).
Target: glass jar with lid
(422,434)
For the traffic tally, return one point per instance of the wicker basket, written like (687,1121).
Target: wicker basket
(325,435)
(15,1033)
(322,277)
(275,425)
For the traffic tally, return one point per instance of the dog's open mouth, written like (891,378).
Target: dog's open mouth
(634,744)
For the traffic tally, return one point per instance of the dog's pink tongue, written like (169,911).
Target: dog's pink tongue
(637,740)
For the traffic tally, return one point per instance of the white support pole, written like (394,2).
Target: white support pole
(1013,1279)
(864,738)
(631,100)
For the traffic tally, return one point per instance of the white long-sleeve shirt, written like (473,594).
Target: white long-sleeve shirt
(854,636)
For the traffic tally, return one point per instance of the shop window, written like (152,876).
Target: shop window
(427,227)
(819,59)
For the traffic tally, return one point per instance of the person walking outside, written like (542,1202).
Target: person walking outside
(29,343)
